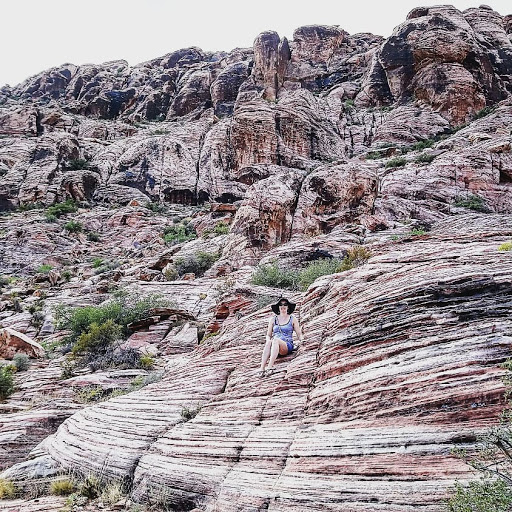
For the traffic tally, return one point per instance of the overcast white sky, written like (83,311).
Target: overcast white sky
(38,34)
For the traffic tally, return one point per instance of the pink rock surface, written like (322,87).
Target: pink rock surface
(399,365)
(13,342)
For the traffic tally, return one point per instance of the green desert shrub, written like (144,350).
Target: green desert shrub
(92,236)
(97,262)
(112,493)
(59,209)
(156,207)
(355,257)
(178,233)
(107,266)
(97,338)
(122,309)
(221,229)
(21,361)
(44,269)
(418,232)
(316,269)
(66,275)
(271,274)
(90,394)
(147,362)
(144,380)
(424,158)
(7,489)
(375,155)
(73,226)
(507,246)
(473,202)
(189,413)
(481,496)
(399,161)
(91,487)
(485,112)
(94,331)
(419,146)
(78,164)
(6,382)
(198,263)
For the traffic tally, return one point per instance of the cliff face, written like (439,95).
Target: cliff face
(304,148)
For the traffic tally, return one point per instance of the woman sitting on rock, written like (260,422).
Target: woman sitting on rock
(280,334)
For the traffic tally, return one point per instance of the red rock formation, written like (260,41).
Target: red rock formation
(13,342)
(398,366)
(312,146)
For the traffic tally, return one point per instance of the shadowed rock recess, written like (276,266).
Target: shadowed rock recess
(285,153)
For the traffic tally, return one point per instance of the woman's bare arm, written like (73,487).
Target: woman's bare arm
(297,329)
(270,329)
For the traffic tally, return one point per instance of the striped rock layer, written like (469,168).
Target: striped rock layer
(400,365)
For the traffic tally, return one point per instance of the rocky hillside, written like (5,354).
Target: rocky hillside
(179,179)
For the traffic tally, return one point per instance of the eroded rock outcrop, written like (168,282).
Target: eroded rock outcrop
(445,58)
(376,384)
(287,153)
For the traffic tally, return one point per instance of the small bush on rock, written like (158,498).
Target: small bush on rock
(114,357)
(97,338)
(356,256)
(424,158)
(481,496)
(95,330)
(179,233)
(60,209)
(275,276)
(91,487)
(189,413)
(6,382)
(21,361)
(91,394)
(146,362)
(107,266)
(198,263)
(78,164)
(112,493)
(316,269)
(44,269)
(375,155)
(97,262)
(7,490)
(473,202)
(73,226)
(221,229)
(62,487)
(123,309)
(144,380)
(399,161)
(507,246)
(66,275)
(156,207)
(92,236)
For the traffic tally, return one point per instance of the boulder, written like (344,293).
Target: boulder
(13,342)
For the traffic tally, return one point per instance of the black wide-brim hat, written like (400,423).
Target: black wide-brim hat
(291,306)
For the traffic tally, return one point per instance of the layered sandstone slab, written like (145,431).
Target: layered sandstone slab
(400,364)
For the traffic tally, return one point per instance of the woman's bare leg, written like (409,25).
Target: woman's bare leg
(265,355)
(278,347)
